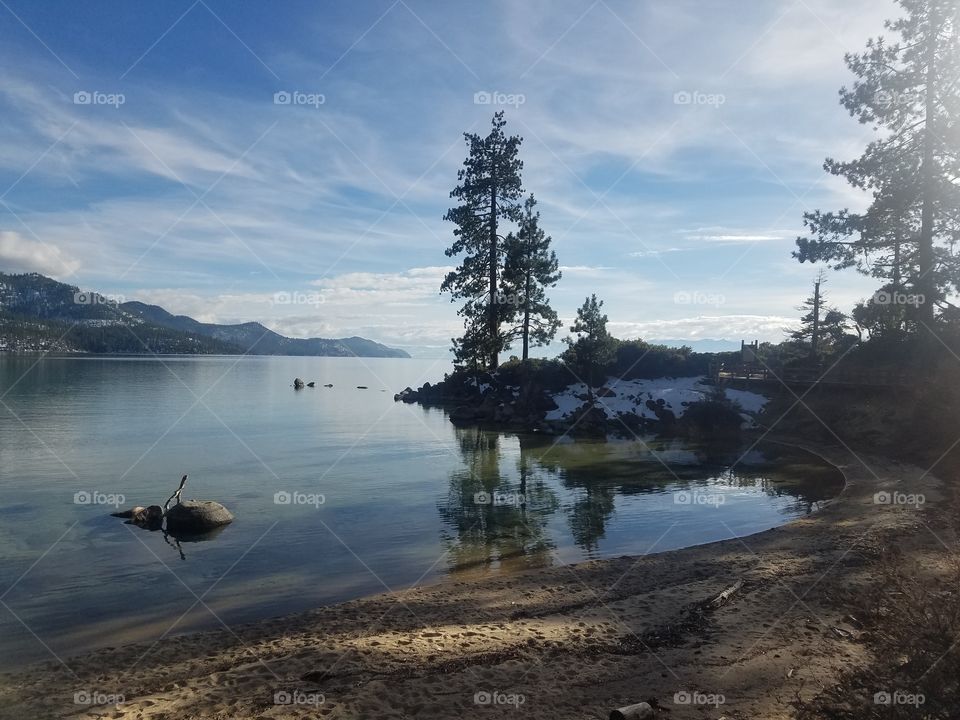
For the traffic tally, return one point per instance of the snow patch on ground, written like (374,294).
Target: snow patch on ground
(630,396)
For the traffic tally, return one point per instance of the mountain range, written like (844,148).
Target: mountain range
(38,313)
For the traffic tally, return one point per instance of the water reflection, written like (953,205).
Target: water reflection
(175,540)
(497,507)
(515,499)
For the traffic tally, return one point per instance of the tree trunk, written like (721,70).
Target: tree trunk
(493,323)
(815,334)
(927,282)
(526,316)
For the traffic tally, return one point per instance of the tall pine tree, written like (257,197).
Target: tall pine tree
(907,92)
(531,267)
(489,193)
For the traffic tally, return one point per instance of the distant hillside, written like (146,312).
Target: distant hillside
(38,313)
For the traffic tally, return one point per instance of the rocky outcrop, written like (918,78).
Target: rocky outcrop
(484,399)
(520,399)
(197,516)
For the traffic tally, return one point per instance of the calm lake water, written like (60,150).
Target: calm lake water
(338,492)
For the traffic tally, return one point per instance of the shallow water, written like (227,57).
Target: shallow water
(338,492)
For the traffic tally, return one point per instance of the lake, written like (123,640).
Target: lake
(338,492)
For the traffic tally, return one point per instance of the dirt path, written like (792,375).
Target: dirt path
(566,642)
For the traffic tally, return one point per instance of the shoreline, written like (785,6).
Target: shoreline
(572,640)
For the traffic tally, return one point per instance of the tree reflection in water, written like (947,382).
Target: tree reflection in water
(496,513)
(500,503)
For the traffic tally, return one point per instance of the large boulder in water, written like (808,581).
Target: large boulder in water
(197,516)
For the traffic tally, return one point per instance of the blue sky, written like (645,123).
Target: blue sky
(673,148)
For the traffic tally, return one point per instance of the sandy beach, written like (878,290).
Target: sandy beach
(566,642)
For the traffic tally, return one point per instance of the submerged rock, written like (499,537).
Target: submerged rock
(145,517)
(196,516)
(297,384)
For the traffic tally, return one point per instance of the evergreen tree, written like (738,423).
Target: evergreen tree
(907,92)
(489,193)
(823,329)
(531,267)
(592,351)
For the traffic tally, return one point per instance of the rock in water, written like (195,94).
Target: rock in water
(194,516)
(297,384)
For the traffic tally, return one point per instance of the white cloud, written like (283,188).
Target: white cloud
(20,254)
(705,327)
(413,286)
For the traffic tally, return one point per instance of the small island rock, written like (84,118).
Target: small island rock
(197,516)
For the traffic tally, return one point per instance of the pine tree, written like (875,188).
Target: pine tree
(823,328)
(531,267)
(489,192)
(907,92)
(589,354)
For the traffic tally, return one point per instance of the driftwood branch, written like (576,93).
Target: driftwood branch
(722,598)
(183,481)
